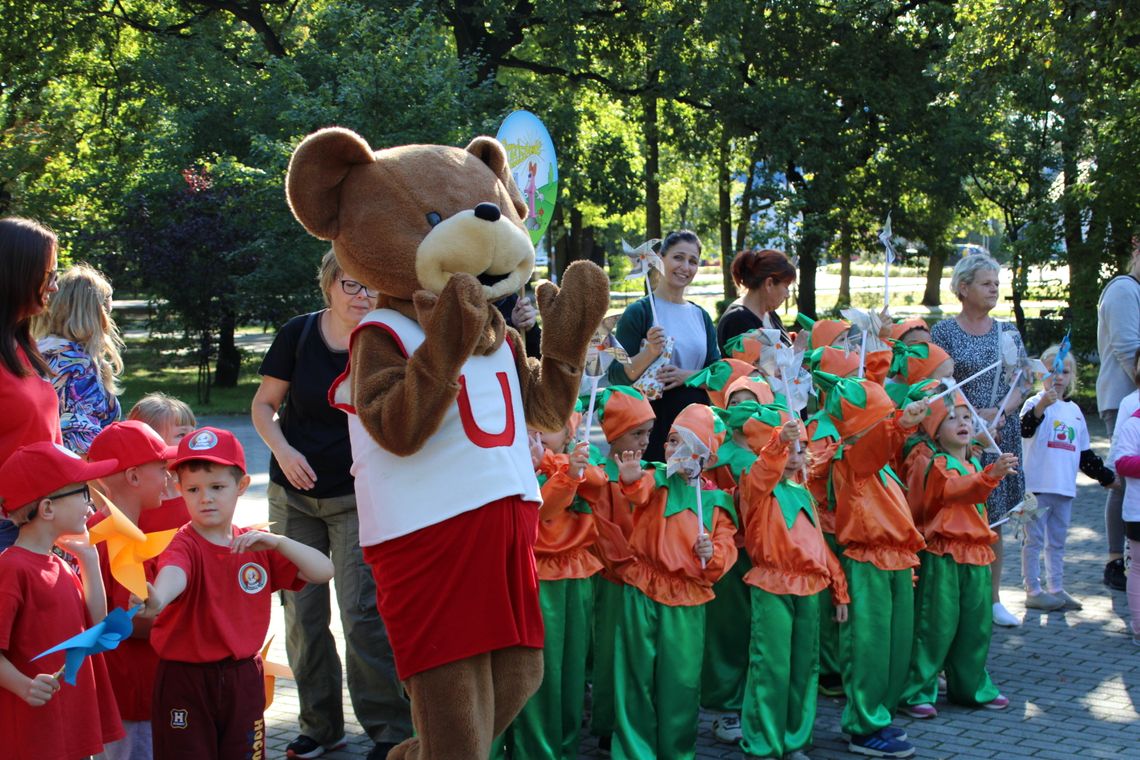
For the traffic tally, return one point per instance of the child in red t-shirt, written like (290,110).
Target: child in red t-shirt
(43,602)
(173,420)
(135,487)
(213,590)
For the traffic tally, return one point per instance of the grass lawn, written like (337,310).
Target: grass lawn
(164,364)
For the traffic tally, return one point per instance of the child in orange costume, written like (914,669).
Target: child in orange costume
(675,561)
(953,603)
(823,442)
(626,419)
(792,564)
(549,723)
(880,544)
(725,666)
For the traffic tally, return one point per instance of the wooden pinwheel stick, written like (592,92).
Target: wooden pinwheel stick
(700,507)
(1009,394)
(955,386)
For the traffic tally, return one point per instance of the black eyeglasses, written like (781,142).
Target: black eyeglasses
(352,288)
(84,490)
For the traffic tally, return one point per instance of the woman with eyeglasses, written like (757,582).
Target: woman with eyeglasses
(312,500)
(81,344)
(27,279)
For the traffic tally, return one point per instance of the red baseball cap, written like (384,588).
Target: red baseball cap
(210,444)
(132,443)
(38,469)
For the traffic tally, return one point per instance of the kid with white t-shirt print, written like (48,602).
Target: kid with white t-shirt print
(1056,446)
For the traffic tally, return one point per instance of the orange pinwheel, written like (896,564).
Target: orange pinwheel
(128,547)
(273,671)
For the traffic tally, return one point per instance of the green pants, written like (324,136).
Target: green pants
(953,623)
(829,629)
(657,666)
(726,640)
(607,618)
(783,674)
(875,644)
(549,723)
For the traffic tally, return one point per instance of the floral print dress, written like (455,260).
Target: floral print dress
(85,407)
(972,353)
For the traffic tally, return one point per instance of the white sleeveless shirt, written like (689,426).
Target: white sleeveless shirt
(479,453)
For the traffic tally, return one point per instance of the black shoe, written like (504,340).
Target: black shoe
(831,685)
(380,751)
(1114,576)
(306,747)
(604,743)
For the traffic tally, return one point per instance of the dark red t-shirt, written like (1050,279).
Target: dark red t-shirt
(224,611)
(41,605)
(31,410)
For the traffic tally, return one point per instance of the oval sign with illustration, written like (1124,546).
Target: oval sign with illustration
(534,166)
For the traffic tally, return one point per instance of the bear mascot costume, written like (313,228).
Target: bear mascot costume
(439,392)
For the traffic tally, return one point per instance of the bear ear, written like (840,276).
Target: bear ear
(491,152)
(318,166)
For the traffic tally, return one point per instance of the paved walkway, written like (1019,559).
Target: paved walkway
(1072,678)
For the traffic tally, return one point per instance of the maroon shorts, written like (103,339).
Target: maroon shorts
(460,588)
(209,709)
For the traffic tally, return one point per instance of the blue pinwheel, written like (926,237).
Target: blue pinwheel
(1062,353)
(100,637)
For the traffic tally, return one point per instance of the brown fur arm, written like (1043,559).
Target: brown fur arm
(571,315)
(400,401)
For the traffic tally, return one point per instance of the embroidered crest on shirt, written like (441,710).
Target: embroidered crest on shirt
(252,577)
(1062,436)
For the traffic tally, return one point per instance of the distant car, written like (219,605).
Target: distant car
(970,249)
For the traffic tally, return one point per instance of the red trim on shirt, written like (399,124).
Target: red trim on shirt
(350,408)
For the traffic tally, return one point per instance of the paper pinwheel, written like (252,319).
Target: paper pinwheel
(1062,352)
(1022,514)
(885,237)
(689,459)
(602,351)
(128,547)
(273,671)
(868,324)
(794,381)
(643,258)
(101,637)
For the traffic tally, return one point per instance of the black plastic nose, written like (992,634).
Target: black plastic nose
(488,212)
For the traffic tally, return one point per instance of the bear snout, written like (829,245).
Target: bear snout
(488,212)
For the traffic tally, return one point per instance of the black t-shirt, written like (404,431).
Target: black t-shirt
(310,424)
(738,319)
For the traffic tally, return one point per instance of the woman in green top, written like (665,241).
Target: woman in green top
(686,327)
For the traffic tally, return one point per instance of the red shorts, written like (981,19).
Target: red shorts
(460,588)
(209,709)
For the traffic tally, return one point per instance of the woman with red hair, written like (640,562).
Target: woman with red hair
(766,275)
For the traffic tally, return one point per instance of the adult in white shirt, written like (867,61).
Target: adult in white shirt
(1117,341)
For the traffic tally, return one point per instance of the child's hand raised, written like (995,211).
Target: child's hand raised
(535,443)
(1005,464)
(151,606)
(703,548)
(1048,398)
(629,466)
(914,413)
(790,431)
(254,541)
(41,689)
(77,544)
(579,459)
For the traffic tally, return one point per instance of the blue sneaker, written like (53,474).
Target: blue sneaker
(891,733)
(877,745)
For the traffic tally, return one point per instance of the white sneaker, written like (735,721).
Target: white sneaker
(1004,617)
(726,728)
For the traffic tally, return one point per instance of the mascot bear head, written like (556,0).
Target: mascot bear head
(405,219)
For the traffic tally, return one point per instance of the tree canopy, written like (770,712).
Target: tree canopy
(153,135)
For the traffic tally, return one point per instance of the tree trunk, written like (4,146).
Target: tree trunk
(229,358)
(932,296)
(724,221)
(844,299)
(1084,264)
(560,251)
(652,160)
(1020,277)
(811,242)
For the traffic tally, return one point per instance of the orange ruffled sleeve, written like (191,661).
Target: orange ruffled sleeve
(613,516)
(566,534)
(955,524)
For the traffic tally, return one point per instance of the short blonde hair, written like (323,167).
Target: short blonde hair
(81,312)
(967,269)
(160,410)
(327,274)
(1047,357)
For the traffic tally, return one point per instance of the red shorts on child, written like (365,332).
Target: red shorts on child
(460,588)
